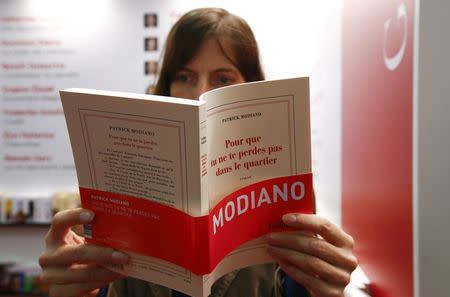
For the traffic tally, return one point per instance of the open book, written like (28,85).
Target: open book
(188,188)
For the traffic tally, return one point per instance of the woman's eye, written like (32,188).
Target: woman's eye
(223,80)
(184,77)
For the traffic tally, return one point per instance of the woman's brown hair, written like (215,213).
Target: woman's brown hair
(188,34)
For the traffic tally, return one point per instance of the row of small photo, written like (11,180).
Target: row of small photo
(150,45)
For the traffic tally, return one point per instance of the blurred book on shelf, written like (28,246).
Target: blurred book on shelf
(35,209)
(21,280)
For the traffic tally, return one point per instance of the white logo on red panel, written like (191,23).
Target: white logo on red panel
(395,60)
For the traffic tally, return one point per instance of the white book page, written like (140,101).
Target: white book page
(255,131)
(128,146)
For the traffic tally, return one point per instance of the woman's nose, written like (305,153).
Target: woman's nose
(202,87)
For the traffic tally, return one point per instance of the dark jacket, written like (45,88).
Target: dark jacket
(253,281)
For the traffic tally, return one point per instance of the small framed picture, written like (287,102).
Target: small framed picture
(151,44)
(151,67)
(150,20)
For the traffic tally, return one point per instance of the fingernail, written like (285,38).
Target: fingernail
(119,258)
(86,216)
(289,219)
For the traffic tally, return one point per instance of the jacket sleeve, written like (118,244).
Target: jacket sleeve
(290,288)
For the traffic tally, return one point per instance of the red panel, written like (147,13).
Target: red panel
(377,140)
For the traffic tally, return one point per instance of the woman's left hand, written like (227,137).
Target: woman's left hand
(319,256)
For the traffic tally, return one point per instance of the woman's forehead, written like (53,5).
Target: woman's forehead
(213,53)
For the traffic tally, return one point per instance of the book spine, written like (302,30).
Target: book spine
(203,150)
(202,232)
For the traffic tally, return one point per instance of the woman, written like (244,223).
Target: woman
(206,49)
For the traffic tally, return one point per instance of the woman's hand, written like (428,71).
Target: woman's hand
(72,267)
(319,256)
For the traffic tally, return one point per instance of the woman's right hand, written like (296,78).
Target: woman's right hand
(72,267)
